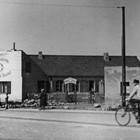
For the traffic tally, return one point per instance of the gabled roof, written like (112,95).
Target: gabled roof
(71,65)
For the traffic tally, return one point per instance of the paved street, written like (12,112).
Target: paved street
(32,124)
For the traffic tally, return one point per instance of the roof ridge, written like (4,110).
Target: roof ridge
(81,55)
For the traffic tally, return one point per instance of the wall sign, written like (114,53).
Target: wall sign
(4,62)
(70,80)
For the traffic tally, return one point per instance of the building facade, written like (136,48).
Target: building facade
(113,81)
(22,74)
(10,75)
(18,75)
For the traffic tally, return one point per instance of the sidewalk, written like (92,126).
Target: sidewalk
(60,115)
(59,111)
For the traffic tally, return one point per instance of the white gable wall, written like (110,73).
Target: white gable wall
(11,71)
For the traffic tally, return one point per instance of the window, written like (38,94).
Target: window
(5,87)
(91,85)
(77,86)
(47,86)
(127,84)
(94,85)
(40,85)
(97,86)
(28,67)
(43,85)
(59,84)
(84,86)
(71,87)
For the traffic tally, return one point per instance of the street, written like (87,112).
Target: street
(32,124)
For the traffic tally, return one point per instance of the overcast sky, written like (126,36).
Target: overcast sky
(57,29)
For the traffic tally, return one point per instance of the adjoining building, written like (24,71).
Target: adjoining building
(21,73)
(18,75)
(113,81)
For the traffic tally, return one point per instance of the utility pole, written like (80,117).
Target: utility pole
(123,86)
(123,59)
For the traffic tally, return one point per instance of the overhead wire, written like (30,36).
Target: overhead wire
(59,5)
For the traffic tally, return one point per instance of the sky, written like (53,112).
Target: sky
(69,27)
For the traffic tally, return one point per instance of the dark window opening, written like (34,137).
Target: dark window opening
(77,86)
(28,67)
(97,86)
(127,84)
(41,85)
(59,84)
(5,87)
(71,87)
(47,86)
(91,85)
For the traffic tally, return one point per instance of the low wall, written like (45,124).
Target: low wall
(81,97)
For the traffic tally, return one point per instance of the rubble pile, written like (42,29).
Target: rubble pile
(36,102)
(30,103)
(55,103)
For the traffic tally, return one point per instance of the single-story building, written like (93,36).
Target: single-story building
(21,73)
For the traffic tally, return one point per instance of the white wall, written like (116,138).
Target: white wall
(11,70)
(113,77)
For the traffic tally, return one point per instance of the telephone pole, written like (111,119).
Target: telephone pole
(123,86)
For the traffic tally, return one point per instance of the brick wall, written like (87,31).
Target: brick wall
(30,79)
(81,97)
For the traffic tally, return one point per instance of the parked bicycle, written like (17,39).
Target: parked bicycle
(123,114)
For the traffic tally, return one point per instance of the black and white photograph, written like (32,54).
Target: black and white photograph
(69,69)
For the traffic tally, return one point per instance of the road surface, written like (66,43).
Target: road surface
(32,124)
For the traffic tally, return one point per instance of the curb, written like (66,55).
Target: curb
(61,111)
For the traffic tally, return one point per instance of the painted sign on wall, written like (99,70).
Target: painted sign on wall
(4,65)
(11,75)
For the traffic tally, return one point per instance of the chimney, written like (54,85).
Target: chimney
(14,48)
(106,57)
(40,55)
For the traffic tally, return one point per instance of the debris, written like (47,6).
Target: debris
(66,107)
(97,105)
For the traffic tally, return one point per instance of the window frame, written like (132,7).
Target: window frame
(59,86)
(5,87)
